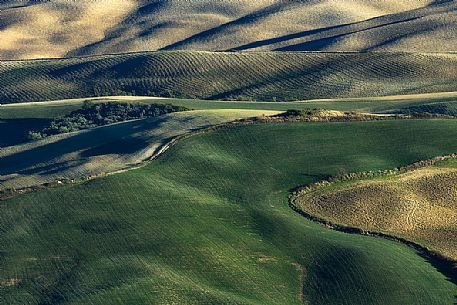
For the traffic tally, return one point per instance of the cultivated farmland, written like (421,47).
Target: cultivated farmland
(384,104)
(104,149)
(264,76)
(209,222)
(59,28)
(419,205)
(221,151)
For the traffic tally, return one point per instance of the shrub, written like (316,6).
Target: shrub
(93,115)
(34,135)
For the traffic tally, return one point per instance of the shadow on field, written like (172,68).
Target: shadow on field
(137,18)
(247,19)
(129,146)
(442,264)
(321,38)
(266,42)
(52,168)
(120,139)
(440,2)
(322,43)
(15,131)
(346,29)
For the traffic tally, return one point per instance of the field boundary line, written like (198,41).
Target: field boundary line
(12,192)
(445,265)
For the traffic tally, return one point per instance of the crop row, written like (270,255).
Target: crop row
(254,76)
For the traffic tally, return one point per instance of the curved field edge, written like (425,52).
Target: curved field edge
(258,76)
(384,104)
(98,151)
(208,221)
(406,212)
(92,153)
(42,111)
(16,120)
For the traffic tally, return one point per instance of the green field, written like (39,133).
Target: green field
(103,149)
(198,201)
(259,76)
(209,222)
(386,104)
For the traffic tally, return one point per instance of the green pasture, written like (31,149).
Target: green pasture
(387,104)
(208,222)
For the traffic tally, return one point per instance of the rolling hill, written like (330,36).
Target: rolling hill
(378,105)
(191,207)
(62,28)
(104,149)
(208,222)
(418,205)
(269,76)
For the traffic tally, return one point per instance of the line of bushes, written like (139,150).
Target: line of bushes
(93,115)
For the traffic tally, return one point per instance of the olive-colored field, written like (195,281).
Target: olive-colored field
(262,76)
(385,104)
(208,222)
(103,149)
(165,210)
(58,28)
(419,205)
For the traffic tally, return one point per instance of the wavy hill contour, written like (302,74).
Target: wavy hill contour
(63,28)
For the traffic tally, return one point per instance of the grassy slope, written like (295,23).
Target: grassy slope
(417,205)
(73,155)
(208,222)
(52,109)
(391,104)
(250,75)
(103,149)
(67,28)
(56,157)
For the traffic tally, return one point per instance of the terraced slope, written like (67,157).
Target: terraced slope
(260,76)
(58,28)
(104,149)
(418,205)
(209,223)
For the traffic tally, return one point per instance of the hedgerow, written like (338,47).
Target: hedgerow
(93,115)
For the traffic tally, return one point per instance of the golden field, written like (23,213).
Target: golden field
(419,205)
(61,28)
